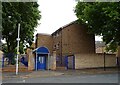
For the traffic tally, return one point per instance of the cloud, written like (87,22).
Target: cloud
(55,13)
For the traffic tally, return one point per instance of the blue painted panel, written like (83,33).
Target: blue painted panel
(41,50)
(2,61)
(24,62)
(67,62)
(41,62)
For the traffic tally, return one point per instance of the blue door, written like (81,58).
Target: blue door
(41,62)
(70,62)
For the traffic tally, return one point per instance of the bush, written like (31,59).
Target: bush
(13,62)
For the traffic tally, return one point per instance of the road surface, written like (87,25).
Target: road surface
(86,78)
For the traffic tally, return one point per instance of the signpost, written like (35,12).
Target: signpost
(18,39)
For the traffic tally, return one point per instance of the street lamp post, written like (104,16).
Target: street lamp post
(104,62)
(18,39)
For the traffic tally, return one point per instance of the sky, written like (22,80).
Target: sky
(55,14)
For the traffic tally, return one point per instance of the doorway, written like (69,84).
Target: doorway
(41,58)
(70,62)
(41,62)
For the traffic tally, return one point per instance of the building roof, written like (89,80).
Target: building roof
(43,34)
(64,27)
(58,29)
(41,50)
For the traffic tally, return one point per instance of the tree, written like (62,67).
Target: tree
(101,18)
(25,13)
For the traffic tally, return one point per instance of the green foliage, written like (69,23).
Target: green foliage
(4,48)
(111,47)
(102,18)
(13,62)
(25,13)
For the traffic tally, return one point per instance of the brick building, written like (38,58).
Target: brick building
(67,40)
(45,40)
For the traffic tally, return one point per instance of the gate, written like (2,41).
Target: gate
(70,62)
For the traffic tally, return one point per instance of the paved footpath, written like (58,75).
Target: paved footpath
(90,75)
(90,71)
(94,78)
(46,73)
(34,74)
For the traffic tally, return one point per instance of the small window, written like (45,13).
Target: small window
(41,59)
(57,47)
(54,46)
(57,34)
(54,36)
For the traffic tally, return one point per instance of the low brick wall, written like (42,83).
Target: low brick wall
(1,55)
(94,60)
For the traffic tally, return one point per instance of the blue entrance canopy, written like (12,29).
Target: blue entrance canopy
(41,50)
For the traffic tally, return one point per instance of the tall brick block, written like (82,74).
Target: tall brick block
(31,62)
(53,61)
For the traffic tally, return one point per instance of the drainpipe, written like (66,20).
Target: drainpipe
(48,61)
(61,46)
(36,61)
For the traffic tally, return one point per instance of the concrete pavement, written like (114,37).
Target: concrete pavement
(90,71)
(99,78)
(41,73)
(33,74)
(46,73)
(63,76)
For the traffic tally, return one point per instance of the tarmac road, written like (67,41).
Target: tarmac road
(84,78)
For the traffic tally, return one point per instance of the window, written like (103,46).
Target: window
(57,34)
(57,47)
(54,36)
(41,59)
(54,46)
